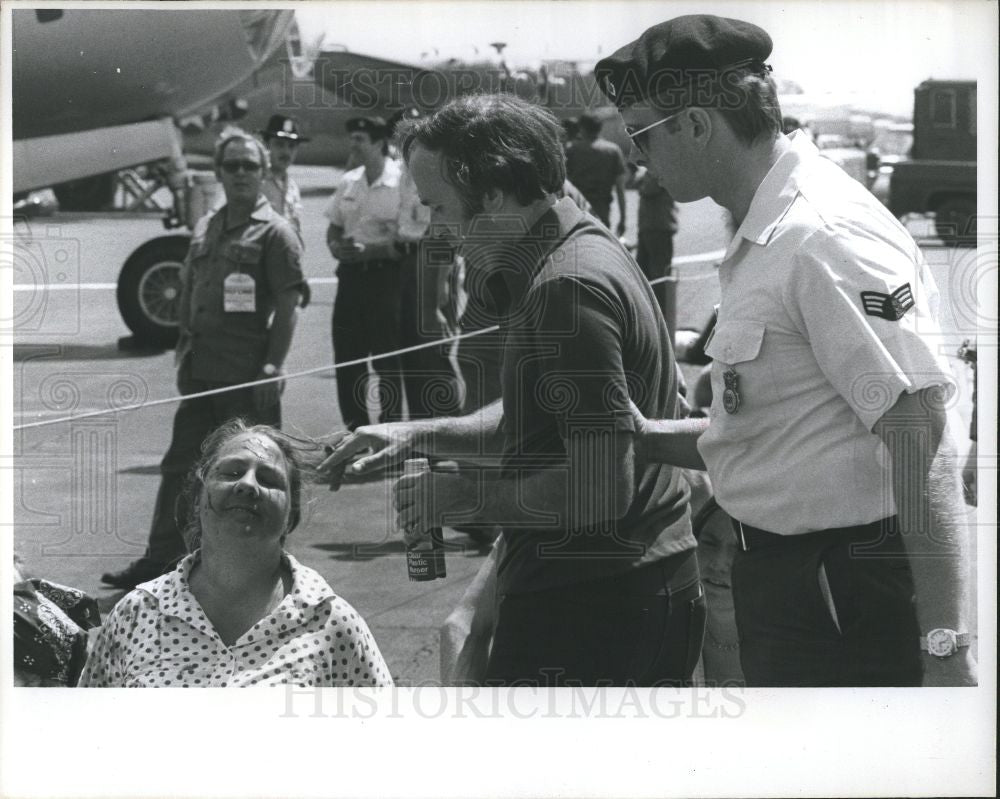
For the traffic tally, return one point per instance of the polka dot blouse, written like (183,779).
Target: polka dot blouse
(158,636)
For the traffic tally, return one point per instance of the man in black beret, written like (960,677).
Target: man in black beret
(827,440)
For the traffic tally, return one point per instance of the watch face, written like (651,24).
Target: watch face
(941,643)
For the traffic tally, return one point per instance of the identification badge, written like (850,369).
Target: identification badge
(239,293)
(731,396)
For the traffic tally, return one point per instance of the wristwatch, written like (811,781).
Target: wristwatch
(943,643)
(269,370)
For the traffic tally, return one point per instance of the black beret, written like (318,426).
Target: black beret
(375,127)
(670,58)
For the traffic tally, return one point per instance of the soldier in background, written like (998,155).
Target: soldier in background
(241,283)
(657,226)
(282,138)
(364,219)
(596,166)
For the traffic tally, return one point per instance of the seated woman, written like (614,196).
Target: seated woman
(238,610)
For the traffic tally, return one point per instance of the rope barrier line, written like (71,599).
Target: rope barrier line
(251,384)
(292,376)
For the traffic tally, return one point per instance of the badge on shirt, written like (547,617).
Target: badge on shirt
(731,396)
(891,307)
(239,293)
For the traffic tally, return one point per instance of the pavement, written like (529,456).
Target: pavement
(84,490)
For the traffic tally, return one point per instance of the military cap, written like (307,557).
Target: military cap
(375,127)
(282,127)
(680,59)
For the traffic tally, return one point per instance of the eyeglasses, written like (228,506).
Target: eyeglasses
(635,134)
(232,167)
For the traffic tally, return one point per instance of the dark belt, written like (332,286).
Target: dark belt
(748,537)
(360,267)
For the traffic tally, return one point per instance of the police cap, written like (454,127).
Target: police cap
(681,59)
(375,127)
(282,127)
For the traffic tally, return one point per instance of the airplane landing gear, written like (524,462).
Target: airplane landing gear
(149,290)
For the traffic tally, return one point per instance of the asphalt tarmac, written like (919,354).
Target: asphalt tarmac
(84,490)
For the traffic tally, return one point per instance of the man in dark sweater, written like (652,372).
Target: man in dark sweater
(598,583)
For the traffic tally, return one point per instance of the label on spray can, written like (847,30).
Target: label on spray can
(425,560)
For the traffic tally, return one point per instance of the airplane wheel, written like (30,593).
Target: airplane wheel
(149,290)
(953,222)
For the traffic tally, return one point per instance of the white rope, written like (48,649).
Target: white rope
(291,376)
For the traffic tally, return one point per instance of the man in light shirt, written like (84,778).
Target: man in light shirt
(827,442)
(364,220)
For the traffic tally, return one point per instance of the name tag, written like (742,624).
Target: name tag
(239,294)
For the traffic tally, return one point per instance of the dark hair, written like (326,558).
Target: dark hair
(492,142)
(570,126)
(301,455)
(751,109)
(589,125)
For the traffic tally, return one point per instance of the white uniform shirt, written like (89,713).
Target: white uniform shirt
(159,636)
(815,370)
(368,214)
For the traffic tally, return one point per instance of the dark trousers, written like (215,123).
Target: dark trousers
(788,636)
(366,322)
(644,628)
(429,378)
(194,420)
(654,254)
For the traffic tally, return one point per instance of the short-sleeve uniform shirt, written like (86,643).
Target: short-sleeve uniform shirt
(827,314)
(582,334)
(159,636)
(369,214)
(230,346)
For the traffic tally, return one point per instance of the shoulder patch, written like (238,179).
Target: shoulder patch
(891,307)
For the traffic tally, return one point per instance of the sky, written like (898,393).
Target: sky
(874,49)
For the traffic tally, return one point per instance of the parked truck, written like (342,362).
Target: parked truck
(939,177)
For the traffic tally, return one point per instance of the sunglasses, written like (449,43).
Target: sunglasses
(640,137)
(232,167)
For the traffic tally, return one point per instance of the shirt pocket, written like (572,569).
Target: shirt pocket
(738,350)
(246,254)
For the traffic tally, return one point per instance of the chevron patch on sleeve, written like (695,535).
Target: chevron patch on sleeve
(891,307)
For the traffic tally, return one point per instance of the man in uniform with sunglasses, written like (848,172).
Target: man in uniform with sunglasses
(828,441)
(241,284)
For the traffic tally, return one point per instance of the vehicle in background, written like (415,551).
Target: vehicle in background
(939,177)
(95,94)
(892,144)
(846,152)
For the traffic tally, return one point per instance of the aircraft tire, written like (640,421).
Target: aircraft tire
(149,289)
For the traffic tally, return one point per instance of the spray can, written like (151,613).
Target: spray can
(425,560)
